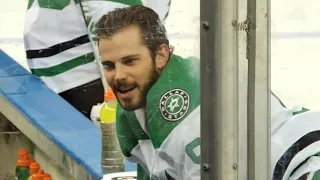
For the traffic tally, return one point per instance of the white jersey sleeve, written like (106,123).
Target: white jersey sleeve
(295,142)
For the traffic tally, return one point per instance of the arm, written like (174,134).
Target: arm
(295,142)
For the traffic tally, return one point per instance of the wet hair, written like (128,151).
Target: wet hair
(152,30)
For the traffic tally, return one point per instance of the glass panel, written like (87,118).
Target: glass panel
(295,51)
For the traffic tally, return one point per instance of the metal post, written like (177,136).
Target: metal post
(219,96)
(234,90)
(259,90)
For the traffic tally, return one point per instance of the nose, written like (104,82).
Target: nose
(120,74)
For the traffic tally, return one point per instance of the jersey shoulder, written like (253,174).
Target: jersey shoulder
(173,97)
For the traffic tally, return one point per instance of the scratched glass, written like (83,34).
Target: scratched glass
(294,69)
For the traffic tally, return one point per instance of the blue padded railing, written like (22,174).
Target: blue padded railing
(72,132)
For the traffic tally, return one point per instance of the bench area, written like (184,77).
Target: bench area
(65,143)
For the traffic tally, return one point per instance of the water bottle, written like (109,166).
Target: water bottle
(112,157)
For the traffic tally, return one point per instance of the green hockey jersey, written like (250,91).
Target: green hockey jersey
(164,138)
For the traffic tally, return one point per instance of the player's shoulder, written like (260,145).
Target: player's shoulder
(191,63)
(173,97)
(295,140)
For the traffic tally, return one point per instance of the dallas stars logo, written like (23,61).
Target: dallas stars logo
(174,104)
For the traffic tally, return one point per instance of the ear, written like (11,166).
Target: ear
(162,56)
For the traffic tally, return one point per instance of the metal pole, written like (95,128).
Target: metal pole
(234,90)
(259,90)
(219,90)
(210,95)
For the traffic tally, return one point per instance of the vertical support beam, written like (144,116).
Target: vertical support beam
(219,90)
(210,57)
(259,90)
(235,90)
(241,25)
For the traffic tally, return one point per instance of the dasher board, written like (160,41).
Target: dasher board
(52,116)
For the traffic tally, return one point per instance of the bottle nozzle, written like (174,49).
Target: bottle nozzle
(109,95)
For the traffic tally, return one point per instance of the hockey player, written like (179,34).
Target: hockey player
(158,119)
(158,122)
(59,51)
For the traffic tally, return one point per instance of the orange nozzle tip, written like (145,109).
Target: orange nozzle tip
(109,95)
(34,164)
(39,175)
(23,162)
(48,177)
(40,171)
(22,152)
(34,167)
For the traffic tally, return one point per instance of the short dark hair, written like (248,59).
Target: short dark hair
(152,30)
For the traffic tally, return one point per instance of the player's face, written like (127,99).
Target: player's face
(128,67)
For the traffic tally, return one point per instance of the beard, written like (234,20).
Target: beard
(139,100)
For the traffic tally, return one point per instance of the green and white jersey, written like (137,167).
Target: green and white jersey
(100,7)
(57,44)
(164,138)
(56,39)
(295,142)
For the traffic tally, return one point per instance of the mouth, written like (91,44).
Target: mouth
(125,90)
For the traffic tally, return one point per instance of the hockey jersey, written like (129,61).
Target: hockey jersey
(295,142)
(164,138)
(57,45)
(155,136)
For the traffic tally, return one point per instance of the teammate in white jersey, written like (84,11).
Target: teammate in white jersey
(295,142)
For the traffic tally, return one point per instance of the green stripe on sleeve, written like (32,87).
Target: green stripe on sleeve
(128,2)
(63,67)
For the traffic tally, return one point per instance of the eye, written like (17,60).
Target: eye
(129,61)
(108,66)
